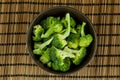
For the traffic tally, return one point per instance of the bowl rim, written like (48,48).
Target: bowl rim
(78,12)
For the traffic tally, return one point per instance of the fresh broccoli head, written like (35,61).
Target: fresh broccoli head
(45,58)
(37,31)
(85,40)
(73,41)
(60,59)
(39,47)
(48,22)
(58,41)
(55,27)
(79,54)
(66,65)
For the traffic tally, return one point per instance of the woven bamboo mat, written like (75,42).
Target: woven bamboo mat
(15,17)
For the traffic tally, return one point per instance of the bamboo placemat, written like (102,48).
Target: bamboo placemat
(15,17)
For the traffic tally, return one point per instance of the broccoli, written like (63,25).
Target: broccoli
(46,23)
(54,27)
(49,64)
(59,39)
(79,54)
(38,48)
(85,40)
(78,29)
(72,24)
(73,41)
(37,31)
(45,58)
(60,42)
(60,59)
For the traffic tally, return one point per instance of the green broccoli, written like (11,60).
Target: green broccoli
(37,31)
(73,41)
(78,29)
(60,59)
(58,42)
(38,48)
(55,27)
(85,40)
(79,54)
(45,58)
(46,23)
(49,64)
(59,39)
(72,24)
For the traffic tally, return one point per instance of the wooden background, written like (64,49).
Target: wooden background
(15,17)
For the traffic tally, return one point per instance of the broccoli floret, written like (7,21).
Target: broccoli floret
(55,27)
(85,40)
(45,58)
(37,31)
(72,24)
(78,29)
(39,47)
(59,59)
(58,42)
(46,23)
(79,54)
(61,65)
(59,39)
(73,41)
(49,64)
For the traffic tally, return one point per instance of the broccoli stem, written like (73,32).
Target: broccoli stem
(82,29)
(66,34)
(45,43)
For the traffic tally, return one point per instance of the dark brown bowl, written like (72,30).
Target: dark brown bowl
(79,17)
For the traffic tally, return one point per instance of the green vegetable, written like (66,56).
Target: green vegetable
(60,59)
(54,27)
(60,42)
(49,64)
(73,41)
(49,22)
(40,47)
(59,39)
(45,58)
(72,24)
(79,54)
(85,40)
(37,31)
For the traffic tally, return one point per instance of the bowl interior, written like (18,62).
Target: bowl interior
(79,17)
